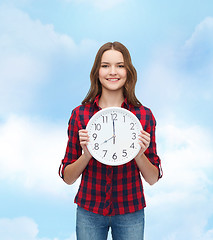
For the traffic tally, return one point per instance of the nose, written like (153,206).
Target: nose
(113,70)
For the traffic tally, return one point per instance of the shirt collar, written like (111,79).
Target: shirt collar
(125,104)
(96,101)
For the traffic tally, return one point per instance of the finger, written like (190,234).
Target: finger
(82,131)
(147,138)
(143,132)
(84,143)
(145,141)
(84,140)
(144,144)
(84,137)
(83,134)
(143,147)
(144,138)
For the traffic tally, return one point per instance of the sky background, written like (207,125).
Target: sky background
(47,49)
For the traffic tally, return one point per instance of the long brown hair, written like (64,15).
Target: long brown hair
(129,87)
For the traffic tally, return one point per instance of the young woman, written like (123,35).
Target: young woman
(110,196)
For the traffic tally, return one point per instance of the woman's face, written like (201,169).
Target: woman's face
(112,72)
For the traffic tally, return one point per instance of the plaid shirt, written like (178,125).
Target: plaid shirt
(109,190)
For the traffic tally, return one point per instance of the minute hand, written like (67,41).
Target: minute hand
(113,122)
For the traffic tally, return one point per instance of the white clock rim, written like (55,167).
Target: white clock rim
(96,115)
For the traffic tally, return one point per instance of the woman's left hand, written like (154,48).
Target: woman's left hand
(144,141)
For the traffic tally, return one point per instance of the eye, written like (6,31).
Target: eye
(104,66)
(121,66)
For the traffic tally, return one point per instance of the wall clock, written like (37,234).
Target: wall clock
(113,134)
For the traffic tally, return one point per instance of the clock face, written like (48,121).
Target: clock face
(113,136)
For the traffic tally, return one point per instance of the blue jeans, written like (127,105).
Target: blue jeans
(92,226)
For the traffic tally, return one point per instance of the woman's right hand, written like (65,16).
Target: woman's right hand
(75,169)
(84,139)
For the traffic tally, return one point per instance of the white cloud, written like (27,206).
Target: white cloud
(179,205)
(179,78)
(99,4)
(30,52)
(22,228)
(72,237)
(197,57)
(203,34)
(22,33)
(30,155)
(26,48)
(161,87)
(25,228)
(18,229)
(209,235)
(19,75)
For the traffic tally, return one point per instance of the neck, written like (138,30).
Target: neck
(112,99)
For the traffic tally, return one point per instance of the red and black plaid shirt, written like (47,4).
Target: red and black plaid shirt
(109,190)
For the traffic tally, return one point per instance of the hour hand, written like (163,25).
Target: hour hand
(108,139)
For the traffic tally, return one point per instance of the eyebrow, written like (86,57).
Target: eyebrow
(109,63)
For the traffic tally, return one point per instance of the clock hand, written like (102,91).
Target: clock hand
(113,122)
(108,139)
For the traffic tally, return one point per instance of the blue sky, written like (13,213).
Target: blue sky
(47,49)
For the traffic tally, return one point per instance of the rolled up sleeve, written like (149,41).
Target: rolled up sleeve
(73,149)
(151,152)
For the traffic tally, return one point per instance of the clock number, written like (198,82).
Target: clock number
(124,118)
(96,147)
(134,136)
(114,116)
(114,156)
(97,126)
(105,152)
(132,126)
(132,145)
(94,135)
(124,153)
(105,119)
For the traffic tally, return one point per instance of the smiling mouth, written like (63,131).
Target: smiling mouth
(113,79)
